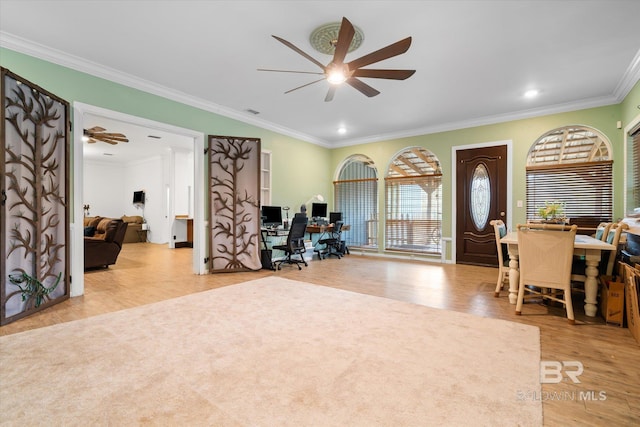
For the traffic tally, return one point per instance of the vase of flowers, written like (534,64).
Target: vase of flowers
(552,212)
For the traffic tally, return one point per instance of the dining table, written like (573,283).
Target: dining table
(584,246)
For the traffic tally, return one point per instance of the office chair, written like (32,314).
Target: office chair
(332,243)
(545,255)
(295,244)
(500,231)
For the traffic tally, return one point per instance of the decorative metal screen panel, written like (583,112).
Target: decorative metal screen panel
(234,197)
(34,253)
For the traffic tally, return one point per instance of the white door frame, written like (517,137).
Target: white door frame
(77,227)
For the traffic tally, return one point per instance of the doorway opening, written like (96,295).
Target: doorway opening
(83,116)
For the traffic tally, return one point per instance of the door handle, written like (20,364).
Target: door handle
(502,213)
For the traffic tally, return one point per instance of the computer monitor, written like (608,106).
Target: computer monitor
(271,216)
(318,210)
(335,217)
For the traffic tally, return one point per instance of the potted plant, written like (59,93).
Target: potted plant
(552,212)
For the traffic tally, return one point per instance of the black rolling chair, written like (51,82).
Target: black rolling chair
(332,243)
(294,245)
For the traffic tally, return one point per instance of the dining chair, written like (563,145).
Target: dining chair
(545,252)
(602,231)
(611,235)
(500,230)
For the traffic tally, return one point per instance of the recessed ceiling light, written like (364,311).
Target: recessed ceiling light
(531,93)
(342,130)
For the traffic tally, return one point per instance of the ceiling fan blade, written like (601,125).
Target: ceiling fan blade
(300,51)
(344,41)
(362,87)
(305,85)
(96,129)
(384,74)
(290,71)
(390,51)
(330,93)
(112,135)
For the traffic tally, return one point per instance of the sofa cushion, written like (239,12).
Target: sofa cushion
(134,219)
(91,221)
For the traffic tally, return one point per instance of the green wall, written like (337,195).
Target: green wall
(522,134)
(631,106)
(301,169)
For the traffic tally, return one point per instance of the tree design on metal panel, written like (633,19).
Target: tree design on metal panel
(34,186)
(234,170)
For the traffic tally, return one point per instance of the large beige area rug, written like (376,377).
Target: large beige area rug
(273,352)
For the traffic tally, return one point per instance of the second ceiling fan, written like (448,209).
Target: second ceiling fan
(337,71)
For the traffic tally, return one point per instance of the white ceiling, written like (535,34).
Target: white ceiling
(144,142)
(473,59)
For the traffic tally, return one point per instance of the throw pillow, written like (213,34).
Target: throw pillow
(89,231)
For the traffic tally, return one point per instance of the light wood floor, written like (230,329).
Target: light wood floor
(147,273)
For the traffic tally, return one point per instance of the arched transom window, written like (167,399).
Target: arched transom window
(571,166)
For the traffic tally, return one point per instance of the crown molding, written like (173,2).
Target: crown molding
(27,47)
(629,79)
(21,45)
(483,121)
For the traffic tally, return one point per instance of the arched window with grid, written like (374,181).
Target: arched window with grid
(413,205)
(571,166)
(356,196)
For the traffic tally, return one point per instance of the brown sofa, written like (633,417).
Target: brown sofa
(102,241)
(133,234)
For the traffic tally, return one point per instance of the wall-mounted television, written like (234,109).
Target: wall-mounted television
(271,216)
(138,197)
(318,210)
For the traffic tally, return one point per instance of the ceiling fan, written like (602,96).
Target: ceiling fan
(97,133)
(337,71)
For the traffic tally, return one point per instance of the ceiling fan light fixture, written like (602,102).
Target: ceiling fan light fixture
(336,77)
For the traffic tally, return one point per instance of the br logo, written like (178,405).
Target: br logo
(551,371)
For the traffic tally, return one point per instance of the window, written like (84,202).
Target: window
(413,205)
(571,165)
(632,199)
(356,196)
(265,178)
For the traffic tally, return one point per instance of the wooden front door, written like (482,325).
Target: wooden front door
(481,195)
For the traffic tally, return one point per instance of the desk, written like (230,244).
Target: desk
(265,252)
(586,246)
(314,229)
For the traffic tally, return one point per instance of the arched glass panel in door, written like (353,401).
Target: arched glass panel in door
(480,196)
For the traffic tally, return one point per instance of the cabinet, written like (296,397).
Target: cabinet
(184,222)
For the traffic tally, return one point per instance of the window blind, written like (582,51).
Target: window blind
(357,199)
(413,212)
(586,189)
(356,196)
(634,178)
